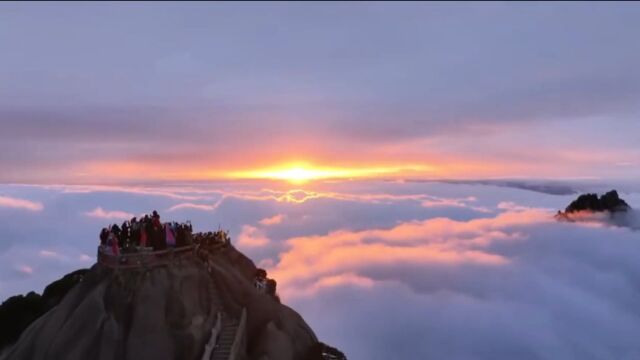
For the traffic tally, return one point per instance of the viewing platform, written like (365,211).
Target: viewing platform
(147,257)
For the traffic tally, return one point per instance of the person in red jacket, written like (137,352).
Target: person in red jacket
(143,236)
(112,241)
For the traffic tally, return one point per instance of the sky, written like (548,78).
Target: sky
(412,155)
(140,92)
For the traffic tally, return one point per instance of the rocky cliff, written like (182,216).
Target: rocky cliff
(18,312)
(201,303)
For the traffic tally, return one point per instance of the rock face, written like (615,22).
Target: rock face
(18,312)
(591,202)
(168,311)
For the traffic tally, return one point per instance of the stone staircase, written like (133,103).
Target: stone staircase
(214,296)
(222,351)
(225,339)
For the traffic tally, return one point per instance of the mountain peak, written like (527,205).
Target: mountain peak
(203,300)
(609,201)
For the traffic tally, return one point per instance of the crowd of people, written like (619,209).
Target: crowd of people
(211,238)
(146,233)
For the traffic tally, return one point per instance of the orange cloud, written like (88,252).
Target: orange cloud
(589,218)
(311,260)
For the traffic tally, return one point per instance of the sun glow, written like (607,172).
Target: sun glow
(298,174)
(302,173)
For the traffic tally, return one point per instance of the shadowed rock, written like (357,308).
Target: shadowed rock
(322,351)
(591,202)
(18,312)
(608,209)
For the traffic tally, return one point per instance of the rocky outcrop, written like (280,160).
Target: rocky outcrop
(591,202)
(166,311)
(609,202)
(18,312)
(608,209)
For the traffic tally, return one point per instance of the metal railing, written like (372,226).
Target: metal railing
(215,331)
(143,258)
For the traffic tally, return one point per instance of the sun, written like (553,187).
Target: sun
(297,175)
(303,173)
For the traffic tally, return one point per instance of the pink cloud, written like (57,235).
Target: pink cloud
(433,201)
(296,196)
(48,254)
(266,263)
(348,279)
(110,215)
(251,237)
(16,203)
(441,242)
(85,258)
(179,193)
(301,196)
(27,270)
(511,206)
(274,220)
(203,207)
(589,218)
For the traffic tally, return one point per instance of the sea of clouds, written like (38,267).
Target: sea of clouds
(382,270)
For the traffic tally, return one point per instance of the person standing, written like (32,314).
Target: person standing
(169,235)
(158,236)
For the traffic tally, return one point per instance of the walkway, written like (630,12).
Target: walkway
(144,259)
(222,351)
(229,336)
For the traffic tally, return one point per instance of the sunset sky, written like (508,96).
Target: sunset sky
(113,93)
(395,166)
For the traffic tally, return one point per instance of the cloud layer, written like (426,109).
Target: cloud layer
(381,269)
(518,285)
